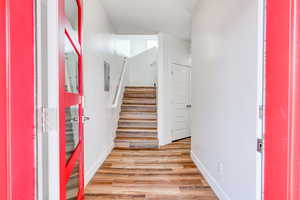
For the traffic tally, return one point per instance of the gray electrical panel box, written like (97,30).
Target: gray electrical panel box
(106,76)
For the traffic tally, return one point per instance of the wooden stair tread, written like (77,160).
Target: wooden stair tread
(138,115)
(139,105)
(138,120)
(138,112)
(145,117)
(145,90)
(142,104)
(125,118)
(134,116)
(138,87)
(130,135)
(137,130)
(137,138)
(137,124)
(139,98)
(139,91)
(141,101)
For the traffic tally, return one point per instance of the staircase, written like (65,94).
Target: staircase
(137,128)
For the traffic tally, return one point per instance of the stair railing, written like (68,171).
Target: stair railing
(121,84)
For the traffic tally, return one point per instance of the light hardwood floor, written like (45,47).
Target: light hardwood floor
(167,173)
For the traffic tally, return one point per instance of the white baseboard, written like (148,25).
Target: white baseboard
(89,173)
(164,142)
(210,179)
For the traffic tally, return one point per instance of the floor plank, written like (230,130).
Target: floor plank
(167,173)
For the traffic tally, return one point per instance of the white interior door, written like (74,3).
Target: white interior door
(181,101)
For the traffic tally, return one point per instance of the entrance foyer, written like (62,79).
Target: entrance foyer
(166,173)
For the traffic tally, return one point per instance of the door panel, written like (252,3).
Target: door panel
(180,102)
(282,113)
(4,181)
(17,100)
(71,108)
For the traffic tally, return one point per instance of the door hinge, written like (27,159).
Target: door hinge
(48,119)
(260,145)
(44,120)
(261,112)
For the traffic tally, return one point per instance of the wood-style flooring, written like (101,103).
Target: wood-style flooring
(166,173)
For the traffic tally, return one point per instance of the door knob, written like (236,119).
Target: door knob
(76,119)
(86,118)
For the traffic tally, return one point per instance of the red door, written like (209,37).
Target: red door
(71,100)
(17,162)
(282,137)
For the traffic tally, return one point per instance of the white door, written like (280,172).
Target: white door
(181,101)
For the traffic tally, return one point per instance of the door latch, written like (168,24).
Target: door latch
(260,145)
(84,119)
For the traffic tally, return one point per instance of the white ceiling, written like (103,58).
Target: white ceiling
(151,16)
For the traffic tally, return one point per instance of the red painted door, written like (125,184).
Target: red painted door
(282,136)
(71,101)
(17,162)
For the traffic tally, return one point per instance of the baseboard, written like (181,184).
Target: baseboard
(164,142)
(89,174)
(163,139)
(209,178)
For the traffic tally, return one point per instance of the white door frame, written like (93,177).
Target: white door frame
(260,97)
(47,100)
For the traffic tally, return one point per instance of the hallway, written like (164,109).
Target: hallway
(139,174)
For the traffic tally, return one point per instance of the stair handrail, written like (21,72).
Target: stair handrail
(120,85)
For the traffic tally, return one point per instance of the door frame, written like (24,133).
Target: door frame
(17,99)
(282,111)
(260,96)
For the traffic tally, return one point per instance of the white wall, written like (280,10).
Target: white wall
(137,44)
(142,68)
(171,50)
(97,48)
(224,95)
